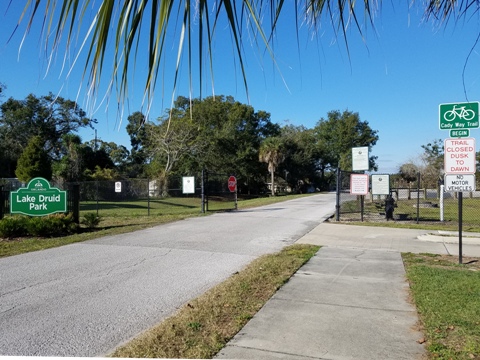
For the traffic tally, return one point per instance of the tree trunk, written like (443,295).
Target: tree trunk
(272,173)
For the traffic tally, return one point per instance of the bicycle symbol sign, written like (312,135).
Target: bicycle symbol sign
(459,116)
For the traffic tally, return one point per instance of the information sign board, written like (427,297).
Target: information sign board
(458,183)
(380,184)
(360,158)
(188,185)
(459,156)
(359,184)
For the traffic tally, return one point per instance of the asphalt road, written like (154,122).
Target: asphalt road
(87,298)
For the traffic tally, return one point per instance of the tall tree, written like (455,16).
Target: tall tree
(432,163)
(272,152)
(138,137)
(71,163)
(34,161)
(339,133)
(172,140)
(48,117)
(300,166)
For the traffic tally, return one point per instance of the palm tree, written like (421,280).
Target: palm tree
(130,24)
(272,152)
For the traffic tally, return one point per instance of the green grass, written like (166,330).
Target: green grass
(203,327)
(429,217)
(123,217)
(447,297)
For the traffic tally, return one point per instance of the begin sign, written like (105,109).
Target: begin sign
(459,156)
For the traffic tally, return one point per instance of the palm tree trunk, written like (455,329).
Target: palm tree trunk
(272,174)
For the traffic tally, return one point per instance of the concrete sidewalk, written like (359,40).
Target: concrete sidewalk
(350,301)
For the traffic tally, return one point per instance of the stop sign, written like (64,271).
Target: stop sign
(232,183)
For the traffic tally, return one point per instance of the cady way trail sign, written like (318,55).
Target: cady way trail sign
(38,199)
(459,116)
(459,156)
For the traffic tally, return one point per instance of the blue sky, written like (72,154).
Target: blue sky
(395,81)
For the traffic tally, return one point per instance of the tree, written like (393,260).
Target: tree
(227,138)
(46,117)
(173,139)
(34,162)
(432,160)
(338,134)
(130,24)
(300,166)
(70,165)
(138,137)
(272,153)
(409,172)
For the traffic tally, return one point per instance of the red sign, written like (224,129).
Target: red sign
(232,184)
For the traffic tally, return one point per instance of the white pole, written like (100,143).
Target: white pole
(442,188)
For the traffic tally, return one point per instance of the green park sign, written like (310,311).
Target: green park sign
(38,199)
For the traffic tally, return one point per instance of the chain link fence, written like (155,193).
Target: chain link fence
(207,191)
(412,203)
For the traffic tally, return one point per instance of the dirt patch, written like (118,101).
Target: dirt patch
(447,261)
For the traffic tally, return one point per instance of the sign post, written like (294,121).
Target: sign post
(459,160)
(459,153)
(232,186)
(359,186)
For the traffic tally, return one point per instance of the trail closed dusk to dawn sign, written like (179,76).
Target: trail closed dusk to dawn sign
(38,199)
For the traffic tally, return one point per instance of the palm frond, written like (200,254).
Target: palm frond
(121,27)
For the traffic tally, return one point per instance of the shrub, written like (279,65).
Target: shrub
(15,226)
(91,220)
(52,225)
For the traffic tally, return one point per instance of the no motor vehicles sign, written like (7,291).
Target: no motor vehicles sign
(459,156)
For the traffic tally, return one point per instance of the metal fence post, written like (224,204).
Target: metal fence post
(203,191)
(75,201)
(418,197)
(337,205)
(148,195)
(2,202)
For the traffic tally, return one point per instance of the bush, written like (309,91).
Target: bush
(91,220)
(11,227)
(52,225)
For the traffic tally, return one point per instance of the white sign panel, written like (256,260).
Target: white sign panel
(459,183)
(380,184)
(188,185)
(360,158)
(459,156)
(359,184)
(118,186)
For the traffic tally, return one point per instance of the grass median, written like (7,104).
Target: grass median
(447,297)
(202,327)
